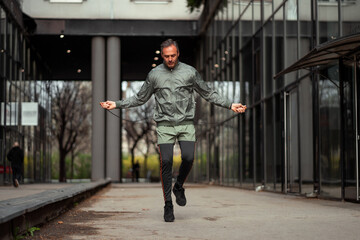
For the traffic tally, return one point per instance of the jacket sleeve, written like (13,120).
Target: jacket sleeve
(210,94)
(140,98)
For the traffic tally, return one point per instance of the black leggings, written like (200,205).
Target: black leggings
(166,163)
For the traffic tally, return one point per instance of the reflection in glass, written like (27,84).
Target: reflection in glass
(329,127)
(248,163)
(350,92)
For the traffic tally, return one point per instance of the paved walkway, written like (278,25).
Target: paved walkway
(34,204)
(9,192)
(135,211)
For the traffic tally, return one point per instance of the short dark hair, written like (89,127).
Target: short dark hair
(168,43)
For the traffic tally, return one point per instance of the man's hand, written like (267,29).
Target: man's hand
(108,105)
(238,107)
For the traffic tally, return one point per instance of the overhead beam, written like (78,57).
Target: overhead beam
(102,27)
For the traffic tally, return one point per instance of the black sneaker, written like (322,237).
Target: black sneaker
(169,212)
(180,195)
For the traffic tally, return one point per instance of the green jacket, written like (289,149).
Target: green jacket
(173,90)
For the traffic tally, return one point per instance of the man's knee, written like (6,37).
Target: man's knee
(166,163)
(166,154)
(187,151)
(187,157)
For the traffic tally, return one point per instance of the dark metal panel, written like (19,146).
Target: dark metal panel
(102,27)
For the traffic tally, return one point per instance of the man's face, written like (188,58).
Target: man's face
(170,55)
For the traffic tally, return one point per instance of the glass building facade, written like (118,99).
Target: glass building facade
(299,133)
(25,97)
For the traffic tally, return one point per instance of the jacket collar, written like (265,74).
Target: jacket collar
(174,68)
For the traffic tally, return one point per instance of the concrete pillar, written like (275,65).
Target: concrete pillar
(113,124)
(98,114)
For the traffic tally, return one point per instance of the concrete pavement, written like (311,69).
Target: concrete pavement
(135,211)
(9,192)
(31,205)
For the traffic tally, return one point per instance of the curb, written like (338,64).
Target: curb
(20,214)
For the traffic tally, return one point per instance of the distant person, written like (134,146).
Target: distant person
(173,83)
(16,157)
(137,171)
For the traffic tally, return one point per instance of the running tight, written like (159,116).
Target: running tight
(166,162)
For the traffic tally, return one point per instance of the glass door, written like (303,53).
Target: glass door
(350,125)
(291,126)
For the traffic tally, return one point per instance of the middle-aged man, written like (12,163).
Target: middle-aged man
(173,84)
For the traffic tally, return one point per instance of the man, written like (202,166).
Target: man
(173,84)
(136,171)
(16,157)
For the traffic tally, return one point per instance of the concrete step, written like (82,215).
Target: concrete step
(20,214)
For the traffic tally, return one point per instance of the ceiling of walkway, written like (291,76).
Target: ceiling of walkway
(69,58)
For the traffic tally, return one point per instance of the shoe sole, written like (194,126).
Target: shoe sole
(170,220)
(181,204)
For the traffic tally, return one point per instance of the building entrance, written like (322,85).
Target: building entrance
(349,70)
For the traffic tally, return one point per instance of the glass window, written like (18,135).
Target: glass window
(257,14)
(235,148)
(257,68)
(227,15)
(268,9)
(350,17)
(246,25)
(269,145)
(305,30)
(258,147)
(218,28)
(277,3)
(328,17)
(2,31)
(350,140)
(236,9)
(235,41)
(236,82)
(268,57)
(291,52)
(306,136)
(329,127)
(279,46)
(248,159)
(247,72)
(279,140)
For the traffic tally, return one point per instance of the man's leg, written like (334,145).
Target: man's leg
(187,159)
(15,173)
(166,163)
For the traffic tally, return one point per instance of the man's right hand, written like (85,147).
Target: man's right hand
(238,107)
(108,105)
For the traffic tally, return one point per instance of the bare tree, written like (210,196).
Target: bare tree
(150,142)
(70,114)
(138,125)
(137,130)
